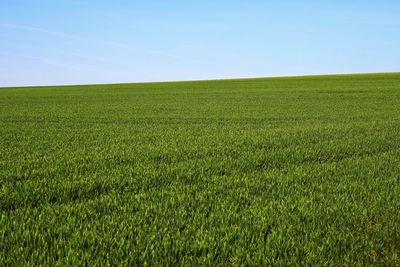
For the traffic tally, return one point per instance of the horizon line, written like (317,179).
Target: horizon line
(204,80)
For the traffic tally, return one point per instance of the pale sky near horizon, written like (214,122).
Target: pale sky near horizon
(46,42)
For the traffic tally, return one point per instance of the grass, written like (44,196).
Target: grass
(278,171)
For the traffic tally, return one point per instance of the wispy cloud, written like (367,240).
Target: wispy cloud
(89,39)
(112,44)
(36,29)
(58,63)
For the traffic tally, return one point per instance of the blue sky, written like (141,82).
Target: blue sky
(46,42)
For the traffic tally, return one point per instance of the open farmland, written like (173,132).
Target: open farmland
(285,171)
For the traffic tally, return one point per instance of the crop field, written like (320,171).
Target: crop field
(270,171)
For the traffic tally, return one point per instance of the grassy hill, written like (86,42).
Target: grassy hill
(285,171)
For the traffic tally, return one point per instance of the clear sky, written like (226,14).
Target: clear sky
(46,42)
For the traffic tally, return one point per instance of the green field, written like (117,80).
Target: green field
(276,171)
